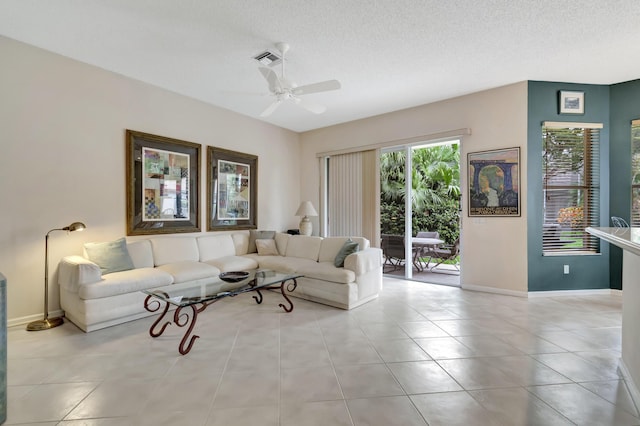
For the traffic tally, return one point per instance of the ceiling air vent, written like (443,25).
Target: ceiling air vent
(268,58)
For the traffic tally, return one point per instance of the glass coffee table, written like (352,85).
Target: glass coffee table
(193,298)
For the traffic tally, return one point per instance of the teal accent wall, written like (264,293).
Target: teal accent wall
(625,106)
(545,273)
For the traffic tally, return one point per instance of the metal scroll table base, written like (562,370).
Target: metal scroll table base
(187,315)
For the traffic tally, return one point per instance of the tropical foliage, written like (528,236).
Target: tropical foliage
(435,178)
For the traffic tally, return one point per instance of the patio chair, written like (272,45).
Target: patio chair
(393,251)
(425,251)
(619,222)
(445,253)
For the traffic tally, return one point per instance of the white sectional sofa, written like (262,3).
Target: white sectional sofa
(93,300)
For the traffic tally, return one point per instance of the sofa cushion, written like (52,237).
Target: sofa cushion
(125,282)
(234,263)
(304,246)
(141,254)
(241,241)
(258,235)
(215,246)
(287,265)
(110,256)
(327,272)
(282,240)
(349,247)
(189,271)
(267,247)
(174,249)
(331,246)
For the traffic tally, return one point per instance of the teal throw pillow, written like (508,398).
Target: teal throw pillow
(111,256)
(349,247)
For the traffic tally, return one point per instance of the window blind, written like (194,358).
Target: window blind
(635,173)
(571,185)
(353,182)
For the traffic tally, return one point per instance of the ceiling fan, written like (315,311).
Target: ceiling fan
(286,90)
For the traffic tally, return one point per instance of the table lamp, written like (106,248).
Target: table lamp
(47,323)
(305,210)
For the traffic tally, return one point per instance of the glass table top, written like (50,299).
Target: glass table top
(184,294)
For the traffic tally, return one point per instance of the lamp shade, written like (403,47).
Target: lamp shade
(75,226)
(306,209)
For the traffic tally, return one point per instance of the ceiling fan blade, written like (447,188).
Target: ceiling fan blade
(310,106)
(322,86)
(272,78)
(267,112)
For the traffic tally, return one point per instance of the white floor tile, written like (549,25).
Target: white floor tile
(395,360)
(516,406)
(616,392)
(423,377)
(362,381)
(400,350)
(309,384)
(576,368)
(453,409)
(321,413)
(394,410)
(46,403)
(583,407)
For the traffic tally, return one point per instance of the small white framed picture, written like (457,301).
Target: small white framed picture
(571,102)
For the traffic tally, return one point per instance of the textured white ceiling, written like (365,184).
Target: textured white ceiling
(388,54)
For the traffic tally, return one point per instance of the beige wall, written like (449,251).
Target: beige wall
(62,127)
(62,158)
(494,249)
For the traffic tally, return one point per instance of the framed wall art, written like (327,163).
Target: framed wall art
(232,190)
(163,176)
(570,102)
(494,182)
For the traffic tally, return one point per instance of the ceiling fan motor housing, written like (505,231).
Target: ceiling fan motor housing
(285,89)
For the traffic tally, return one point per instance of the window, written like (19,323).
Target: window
(635,173)
(571,185)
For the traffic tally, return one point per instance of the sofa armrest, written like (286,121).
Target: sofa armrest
(364,261)
(74,271)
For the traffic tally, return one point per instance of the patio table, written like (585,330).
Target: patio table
(423,245)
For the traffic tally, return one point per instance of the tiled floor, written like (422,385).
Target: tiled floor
(420,355)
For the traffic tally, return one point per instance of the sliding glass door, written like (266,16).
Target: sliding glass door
(420,198)
(394,209)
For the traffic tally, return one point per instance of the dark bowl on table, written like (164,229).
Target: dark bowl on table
(234,276)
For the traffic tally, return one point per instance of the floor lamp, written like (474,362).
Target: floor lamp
(47,323)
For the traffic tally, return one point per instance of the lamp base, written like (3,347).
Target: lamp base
(306,228)
(44,324)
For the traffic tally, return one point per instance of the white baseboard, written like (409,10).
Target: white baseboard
(631,385)
(584,292)
(553,293)
(14,322)
(494,290)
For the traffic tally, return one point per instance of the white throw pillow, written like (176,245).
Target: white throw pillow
(267,247)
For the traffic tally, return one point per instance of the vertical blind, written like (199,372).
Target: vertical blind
(571,186)
(635,173)
(353,195)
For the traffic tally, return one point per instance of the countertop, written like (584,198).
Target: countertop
(625,238)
